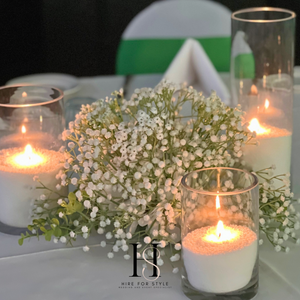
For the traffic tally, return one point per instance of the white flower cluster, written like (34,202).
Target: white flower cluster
(278,217)
(125,160)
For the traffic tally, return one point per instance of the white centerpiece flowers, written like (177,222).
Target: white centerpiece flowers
(125,160)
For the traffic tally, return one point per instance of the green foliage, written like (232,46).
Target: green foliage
(73,206)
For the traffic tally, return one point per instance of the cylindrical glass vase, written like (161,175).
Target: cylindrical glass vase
(31,124)
(262,61)
(219,234)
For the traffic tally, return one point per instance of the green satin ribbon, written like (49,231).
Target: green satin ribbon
(148,56)
(244,66)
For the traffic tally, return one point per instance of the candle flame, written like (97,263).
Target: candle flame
(220,229)
(221,233)
(28,158)
(255,126)
(253,90)
(267,104)
(24,94)
(28,151)
(23,129)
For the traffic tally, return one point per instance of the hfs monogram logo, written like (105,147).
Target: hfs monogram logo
(156,255)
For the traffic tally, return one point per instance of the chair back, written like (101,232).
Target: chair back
(154,36)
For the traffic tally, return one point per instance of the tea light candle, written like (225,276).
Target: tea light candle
(269,112)
(253,90)
(275,145)
(252,97)
(219,259)
(18,166)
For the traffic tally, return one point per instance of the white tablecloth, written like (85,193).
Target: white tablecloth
(69,273)
(44,270)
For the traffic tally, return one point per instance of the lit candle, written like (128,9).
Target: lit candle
(274,148)
(269,112)
(253,90)
(220,259)
(18,166)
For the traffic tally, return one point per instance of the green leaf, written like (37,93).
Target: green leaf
(72,197)
(55,221)
(57,231)
(40,221)
(73,205)
(30,227)
(48,235)
(43,229)
(20,241)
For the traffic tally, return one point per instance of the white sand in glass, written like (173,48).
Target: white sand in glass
(220,264)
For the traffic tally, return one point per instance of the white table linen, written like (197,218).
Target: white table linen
(72,274)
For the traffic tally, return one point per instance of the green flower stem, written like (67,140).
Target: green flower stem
(84,216)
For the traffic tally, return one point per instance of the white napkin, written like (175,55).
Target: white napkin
(192,65)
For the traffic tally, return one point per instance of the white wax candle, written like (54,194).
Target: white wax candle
(16,182)
(219,265)
(275,147)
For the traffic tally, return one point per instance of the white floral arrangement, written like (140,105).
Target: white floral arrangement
(125,160)
(279,219)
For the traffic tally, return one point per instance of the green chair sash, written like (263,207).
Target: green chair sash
(244,66)
(148,56)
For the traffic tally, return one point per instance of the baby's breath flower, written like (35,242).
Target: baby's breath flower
(130,158)
(277,248)
(84,229)
(63,239)
(100,230)
(85,248)
(147,240)
(87,204)
(177,246)
(162,244)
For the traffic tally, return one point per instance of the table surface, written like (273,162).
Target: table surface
(44,270)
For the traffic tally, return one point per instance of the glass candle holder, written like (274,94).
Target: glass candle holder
(219,234)
(31,123)
(262,61)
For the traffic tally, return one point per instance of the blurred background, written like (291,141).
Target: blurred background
(79,37)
